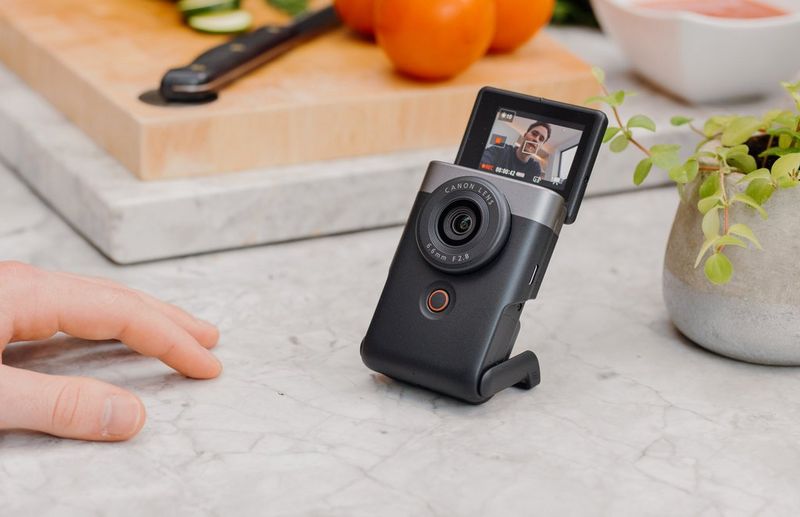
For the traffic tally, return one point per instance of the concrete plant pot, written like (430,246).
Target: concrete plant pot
(756,316)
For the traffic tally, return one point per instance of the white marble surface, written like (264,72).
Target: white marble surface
(630,419)
(131,221)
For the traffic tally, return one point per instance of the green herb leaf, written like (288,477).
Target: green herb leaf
(787,182)
(760,174)
(616,98)
(718,269)
(729,240)
(715,125)
(684,173)
(710,186)
(743,162)
(770,116)
(641,121)
(642,170)
(665,156)
(749,201)
(703,249)
(786,119)
(777,151)
(743,230)
(609,134)
(760,190)
(786,166)
(706,204)
(711,223)
(680,121)
(740,130)
(599,74)
(619,143)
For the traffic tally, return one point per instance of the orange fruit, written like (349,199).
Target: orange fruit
(357,14)
(518,21)
(434,39)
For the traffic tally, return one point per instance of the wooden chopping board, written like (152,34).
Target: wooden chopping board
(334,97)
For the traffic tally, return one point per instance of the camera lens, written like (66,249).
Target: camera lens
(459,222)
(462,223)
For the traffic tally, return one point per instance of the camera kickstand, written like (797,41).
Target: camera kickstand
(520,371)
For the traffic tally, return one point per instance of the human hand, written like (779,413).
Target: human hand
(36,304)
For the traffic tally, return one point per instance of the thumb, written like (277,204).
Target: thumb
(71,407)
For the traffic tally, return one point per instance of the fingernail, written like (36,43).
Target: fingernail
(121,415)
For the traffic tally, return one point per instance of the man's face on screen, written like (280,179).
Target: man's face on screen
(533,139)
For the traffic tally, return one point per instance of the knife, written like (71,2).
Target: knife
(201,80)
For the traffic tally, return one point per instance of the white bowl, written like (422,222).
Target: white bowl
(702,58)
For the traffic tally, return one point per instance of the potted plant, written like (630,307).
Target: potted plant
(730,279)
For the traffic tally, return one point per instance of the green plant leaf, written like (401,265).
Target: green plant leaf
(749,201)
(684,173)
(742,230)
(760,174)
(785,141)
(665,156)
(730,151)
(619,143)
(716,124)
(707,203)
(595,99)
(616,98)
(777,151)
(740,130)
(787,182)
(610,133)
(786,166)
(789,131)
(711,223)
(642,170)
(710,186)
(718,269)
(786,119)
(680,121)
(703,249)
(760,190)
(599,74)
(743,162)
(729,240)
(641,121)
(770,116)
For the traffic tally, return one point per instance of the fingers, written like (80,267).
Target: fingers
(46,302)
(71,407)
(204,332)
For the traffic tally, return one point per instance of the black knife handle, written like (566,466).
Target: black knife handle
(214,68)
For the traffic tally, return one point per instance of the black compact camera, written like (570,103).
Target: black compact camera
(477,245)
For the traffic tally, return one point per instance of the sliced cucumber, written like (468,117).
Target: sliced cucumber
(191,8)
(222,23)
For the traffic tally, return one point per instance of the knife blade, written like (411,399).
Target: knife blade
(201,80)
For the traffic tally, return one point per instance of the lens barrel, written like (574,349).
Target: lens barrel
(459,223)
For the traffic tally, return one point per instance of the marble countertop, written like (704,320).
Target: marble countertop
(630,418)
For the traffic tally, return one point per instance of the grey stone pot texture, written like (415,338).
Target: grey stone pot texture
(756,316)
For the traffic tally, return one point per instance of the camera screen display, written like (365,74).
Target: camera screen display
(531,149)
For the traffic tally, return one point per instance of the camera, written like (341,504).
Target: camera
(477,244)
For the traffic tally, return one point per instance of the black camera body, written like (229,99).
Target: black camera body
(476,247)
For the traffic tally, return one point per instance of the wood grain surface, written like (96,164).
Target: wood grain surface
(334,97)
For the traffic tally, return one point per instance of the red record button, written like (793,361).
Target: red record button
(438,300)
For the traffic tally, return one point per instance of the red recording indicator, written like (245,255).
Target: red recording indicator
(487,166)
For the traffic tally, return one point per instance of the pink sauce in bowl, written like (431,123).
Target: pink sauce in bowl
(717,8)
